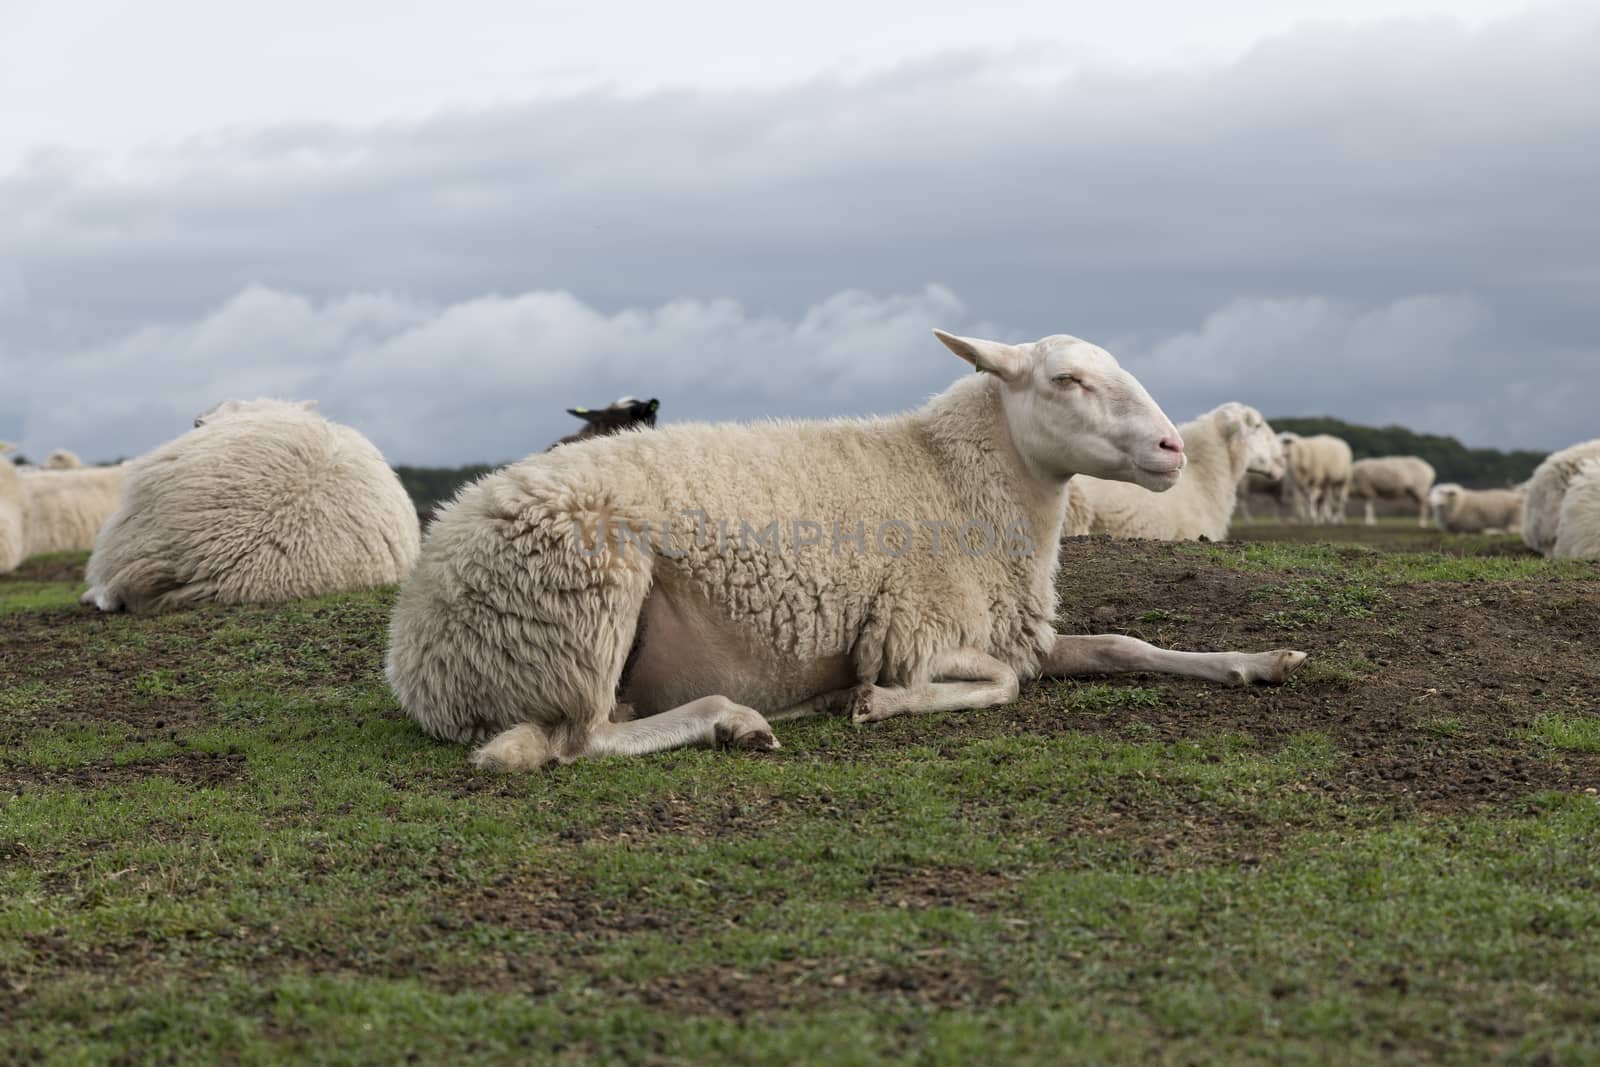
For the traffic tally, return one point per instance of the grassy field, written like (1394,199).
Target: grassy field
(219,841)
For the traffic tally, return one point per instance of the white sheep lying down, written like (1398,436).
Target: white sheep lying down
(1223,445)
(1392,478)
(1546,491)
(1578,532)
(263,501)
(1318,476)
(1459,510)
(12,533)
(64,508)
(609,598)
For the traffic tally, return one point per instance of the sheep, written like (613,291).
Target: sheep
(1318,475)
(566,606)
(623,414)
(1259,485)
(61,460)
(263,501)
(1459,510)
(1223,446)
(1578,533)
(11,525)
(1542,516)
(1392,478)
(65,508)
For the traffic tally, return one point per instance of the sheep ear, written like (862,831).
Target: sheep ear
(1007,362)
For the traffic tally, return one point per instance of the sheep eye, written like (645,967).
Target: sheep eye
(1066,380)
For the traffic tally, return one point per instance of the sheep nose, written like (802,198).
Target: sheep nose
(1172,444)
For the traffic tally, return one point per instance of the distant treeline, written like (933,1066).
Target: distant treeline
(1476,468)
(432,486)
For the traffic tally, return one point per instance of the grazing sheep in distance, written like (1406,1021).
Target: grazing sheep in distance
(63,510)
(263,501)
(1223,445)
(1578,532)
(1392,478)
(1260,485)
(648,591)
(1459,510)
(622,414)
(1318,475)
(11,526)
(1547,487)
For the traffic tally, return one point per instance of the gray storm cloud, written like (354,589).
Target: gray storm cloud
(1386,223)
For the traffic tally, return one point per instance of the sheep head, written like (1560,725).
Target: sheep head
(1072,409)
(1442,497)
(1262,450)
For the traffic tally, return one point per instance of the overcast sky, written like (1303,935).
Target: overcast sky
(449,228)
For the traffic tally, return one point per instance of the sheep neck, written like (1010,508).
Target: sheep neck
(966,426)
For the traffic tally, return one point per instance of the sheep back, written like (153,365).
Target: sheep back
(12,534)
(1547,487)
(1391,478)
(1578,532)
(265,503)
(64,509)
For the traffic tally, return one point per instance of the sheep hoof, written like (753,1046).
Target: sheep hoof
(860,707)
(746,729)
(521,748)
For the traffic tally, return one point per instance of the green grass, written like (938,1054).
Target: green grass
(1568,733)
(38,596)
(1367,565)
(288,870)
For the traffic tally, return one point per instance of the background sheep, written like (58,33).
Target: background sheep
(1459,510)
(622,414)
(529,621)
(63,510)
(1392,478)
(1223,445)
(1542,513)
(61,460)
(12,536)
(1578,532)
(1318,474)
(1258,488)
(263,502)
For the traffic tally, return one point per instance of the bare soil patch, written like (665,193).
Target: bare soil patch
(199,770)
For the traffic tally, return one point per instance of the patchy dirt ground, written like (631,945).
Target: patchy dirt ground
(1429,692)
(1426,685)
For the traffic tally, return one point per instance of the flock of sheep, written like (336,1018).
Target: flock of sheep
(566,606)
(1320,479)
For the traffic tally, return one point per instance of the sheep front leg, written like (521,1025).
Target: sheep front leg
(1120,654)
(963,679)
(712,720)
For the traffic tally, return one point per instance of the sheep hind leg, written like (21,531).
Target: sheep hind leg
(708,721)
(963,679)
(1120,654)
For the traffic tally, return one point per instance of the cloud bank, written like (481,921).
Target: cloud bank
(1386,223)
